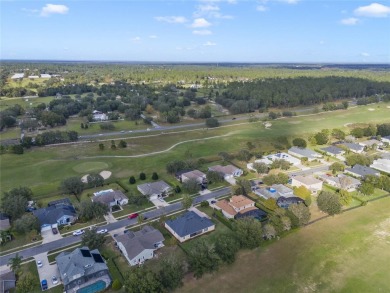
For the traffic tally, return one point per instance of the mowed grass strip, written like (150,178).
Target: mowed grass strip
(44,168)
(346,253)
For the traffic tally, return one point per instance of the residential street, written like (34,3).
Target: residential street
(69,240)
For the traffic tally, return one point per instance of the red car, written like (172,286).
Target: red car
(133,216)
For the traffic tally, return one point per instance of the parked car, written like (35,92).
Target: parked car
(78,232)
(213,201)
(54,230)
(102,231)
(44,285)
(54,279)
(133,216)
(39,264)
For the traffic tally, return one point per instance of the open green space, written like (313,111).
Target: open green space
(346,253)
(49,165)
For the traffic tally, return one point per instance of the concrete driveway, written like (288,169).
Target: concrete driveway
(49,236)
(47,271)
(159,202)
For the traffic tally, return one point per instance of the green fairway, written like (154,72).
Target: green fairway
(48,166)
(90,167)
(346,253)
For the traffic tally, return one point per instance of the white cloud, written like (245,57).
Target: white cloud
(349,21)
(364,54)
(54,9)
(171,19)
(202,32)
(373,10)
(261,8)
(136,39)
(152,37)
(208,7)
(289,1)
(209,44)
(200,22)
(210,10)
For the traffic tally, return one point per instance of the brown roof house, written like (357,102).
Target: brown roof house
(311,183)
(238,206)
(110,197)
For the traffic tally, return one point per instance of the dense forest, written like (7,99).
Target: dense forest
(243,97)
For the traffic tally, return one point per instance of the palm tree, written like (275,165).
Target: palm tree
(15,262)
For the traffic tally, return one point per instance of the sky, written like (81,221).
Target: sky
(305,31)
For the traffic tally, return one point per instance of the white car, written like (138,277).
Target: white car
(102,231)
(54,280)
(78,232)
(39,264)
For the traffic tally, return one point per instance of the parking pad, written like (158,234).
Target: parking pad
(47,271)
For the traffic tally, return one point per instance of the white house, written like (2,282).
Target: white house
(381,165)
(110,197)
(283,156)
(17,76)
(311,183)
(99,116)
(154,190)
(341,181)
(304,153)
(228,171)
(139,246)
(189,225)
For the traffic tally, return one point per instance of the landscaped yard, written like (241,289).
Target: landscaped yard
(345,253)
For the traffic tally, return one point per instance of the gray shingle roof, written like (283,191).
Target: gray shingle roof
(109,196)
(304,152)
(136,242)
(78,264)
(51,214)
(153,187)
(189,223)
(362,170)
(333,150)
(353,146)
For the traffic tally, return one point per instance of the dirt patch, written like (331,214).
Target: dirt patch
(105,174)
(383,230)
(267,125)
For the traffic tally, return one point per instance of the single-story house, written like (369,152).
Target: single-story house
(285,202)
(275,191)
(110,197)
(189,225)
(155,189)
(45,75)
(17,76)
(7,281)
(33,76)
(341,181)
(228,171)
(236,204)
(361,171)
(381,165)
(370,143)
(140,245)
(99,116)
(333,151)
(354,147)
(83,270)
(283,156)
(199,176)
(386,139)
(311,183)
(304,153)
(4,222)
(57,213)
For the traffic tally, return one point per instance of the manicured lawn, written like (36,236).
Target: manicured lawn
(345,253)
(131,208)
(362,197)
(52,164)
(20,240)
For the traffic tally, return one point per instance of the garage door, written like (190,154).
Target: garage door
(46,228)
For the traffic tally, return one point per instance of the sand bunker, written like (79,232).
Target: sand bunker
(388,107)
(105,174)
(371,109)
(347,124)
(267,125)
(84,178)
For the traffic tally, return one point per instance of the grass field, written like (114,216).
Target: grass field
(346,253)
(47,166)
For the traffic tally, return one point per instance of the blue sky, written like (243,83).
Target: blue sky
(197,31)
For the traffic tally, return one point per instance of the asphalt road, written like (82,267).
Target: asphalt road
(69,240)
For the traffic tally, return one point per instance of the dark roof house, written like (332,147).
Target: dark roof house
(285,202)
(110,197)
(333,150)
(57,213)
(361,171)
(189,225)
(7,282)
(4,222)
(83,268)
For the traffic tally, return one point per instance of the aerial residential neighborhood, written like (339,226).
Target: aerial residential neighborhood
(195,146)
